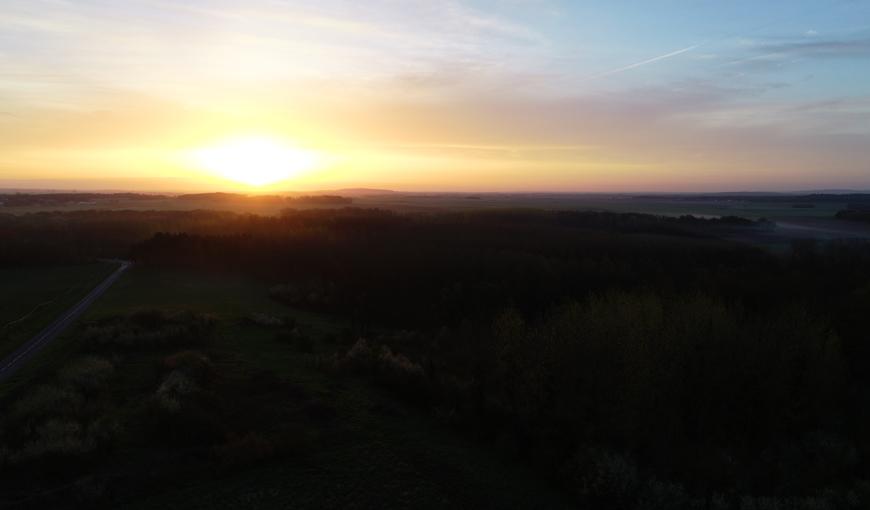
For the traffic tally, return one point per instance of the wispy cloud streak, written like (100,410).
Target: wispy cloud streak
(643,62)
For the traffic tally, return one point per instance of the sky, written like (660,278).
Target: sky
(484,95)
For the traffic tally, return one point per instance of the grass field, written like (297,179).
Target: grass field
(30,298)
(373,451)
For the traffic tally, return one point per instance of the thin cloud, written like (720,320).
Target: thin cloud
(820,49)
(765,56)
(644,62)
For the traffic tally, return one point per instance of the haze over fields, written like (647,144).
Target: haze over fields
(519,95)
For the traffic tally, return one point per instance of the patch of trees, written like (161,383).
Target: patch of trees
(381,267)
(624,391)
(52,237)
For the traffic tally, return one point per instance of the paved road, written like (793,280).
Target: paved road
(17,359)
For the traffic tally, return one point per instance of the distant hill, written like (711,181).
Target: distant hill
(344,191)
(54,199)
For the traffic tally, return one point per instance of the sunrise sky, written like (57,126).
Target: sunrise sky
(538,95)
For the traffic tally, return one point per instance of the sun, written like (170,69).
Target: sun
(254,161)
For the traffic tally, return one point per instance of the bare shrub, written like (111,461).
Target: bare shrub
(360,357)
(388,368)
(397,366)
(264,319)
(244,450)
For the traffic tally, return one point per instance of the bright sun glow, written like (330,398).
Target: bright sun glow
(255,161)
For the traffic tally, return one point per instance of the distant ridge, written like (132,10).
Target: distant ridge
(834,192)
(343,191)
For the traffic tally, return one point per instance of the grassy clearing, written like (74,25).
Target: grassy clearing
(30,298)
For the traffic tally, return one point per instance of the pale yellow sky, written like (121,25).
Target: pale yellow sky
(421,95)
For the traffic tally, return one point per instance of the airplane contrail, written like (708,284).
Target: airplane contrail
(704,43)
(644,62)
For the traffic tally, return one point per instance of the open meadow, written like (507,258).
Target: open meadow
(293,431)
(31,297)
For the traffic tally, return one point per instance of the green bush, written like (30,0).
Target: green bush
(174,388)
(87,374)
(193,363)
(603,479)
(47,401)
(181,412)
(151,329)
(191,422)
(301,342)
(659,495)
(245,450)
(56,438)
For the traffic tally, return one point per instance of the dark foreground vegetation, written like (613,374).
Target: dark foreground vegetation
(631,361)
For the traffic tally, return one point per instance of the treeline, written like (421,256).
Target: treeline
(330,200)
(223,198)
(49,199)
(806,198)
(63,237)
(380,267)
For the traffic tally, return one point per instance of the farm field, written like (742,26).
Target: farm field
(31,297)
